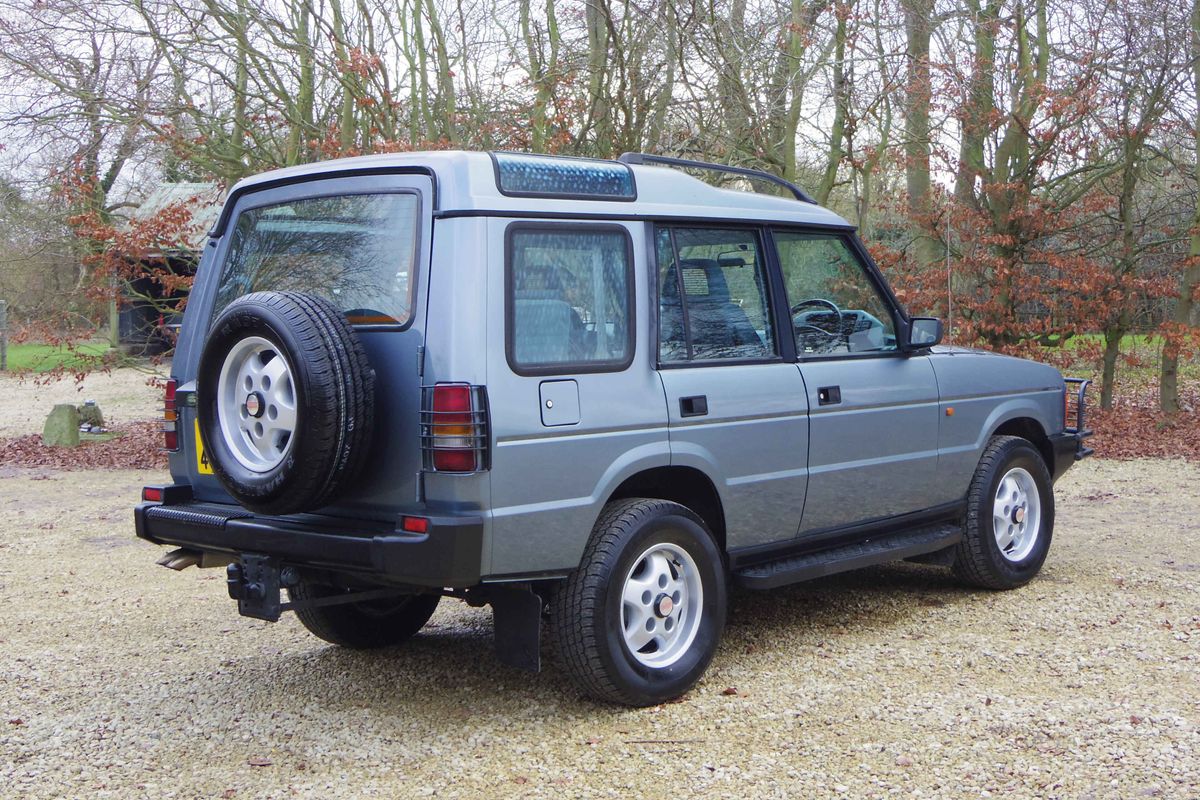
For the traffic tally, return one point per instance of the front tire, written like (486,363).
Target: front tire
(365,625)
(1010,517)
(639,621)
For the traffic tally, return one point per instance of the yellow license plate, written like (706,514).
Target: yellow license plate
(203,466)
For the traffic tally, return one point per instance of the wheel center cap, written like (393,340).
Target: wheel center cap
(254,405)
(1018,515)
(664,606)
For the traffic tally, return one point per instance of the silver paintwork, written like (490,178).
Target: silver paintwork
(782,465)
(256,404)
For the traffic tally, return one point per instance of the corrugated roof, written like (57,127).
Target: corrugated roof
(202,199)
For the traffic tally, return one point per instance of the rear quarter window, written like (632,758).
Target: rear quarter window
(570,298)
(357,251)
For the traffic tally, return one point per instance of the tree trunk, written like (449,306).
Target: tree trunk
(597,31)
(241,82)
(1112,350)
(1168,383)
(302,118)
(447,103)
(543,71)
(840,101)
(918,23)
(976,115)
(346,119)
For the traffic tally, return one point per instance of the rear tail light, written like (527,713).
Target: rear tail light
(414,524)
(454,428)
(170,417)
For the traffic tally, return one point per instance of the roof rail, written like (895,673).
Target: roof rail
(670,161)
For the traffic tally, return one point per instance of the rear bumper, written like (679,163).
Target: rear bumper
(448,555)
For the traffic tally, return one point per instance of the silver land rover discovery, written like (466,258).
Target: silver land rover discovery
(591,392)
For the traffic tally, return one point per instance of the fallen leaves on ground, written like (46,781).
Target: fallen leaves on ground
(138,447)
(1135,428)
(1132,428)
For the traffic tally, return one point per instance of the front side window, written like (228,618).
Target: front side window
(835,308)
(570,299)
(712,296)
(357,251)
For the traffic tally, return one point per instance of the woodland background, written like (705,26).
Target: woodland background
(1026,169)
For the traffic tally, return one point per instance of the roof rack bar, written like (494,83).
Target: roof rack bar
(671,161)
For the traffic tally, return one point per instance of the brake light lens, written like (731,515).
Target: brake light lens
(170,417)
(454,428)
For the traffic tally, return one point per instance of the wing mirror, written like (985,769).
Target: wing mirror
(924,332)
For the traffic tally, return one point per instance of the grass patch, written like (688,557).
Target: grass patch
(47,357)
(1130,341)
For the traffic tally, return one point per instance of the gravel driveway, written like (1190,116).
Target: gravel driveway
(122,679)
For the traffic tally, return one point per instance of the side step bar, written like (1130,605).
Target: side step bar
(895,547)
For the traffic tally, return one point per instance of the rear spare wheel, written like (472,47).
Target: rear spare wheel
(285,401)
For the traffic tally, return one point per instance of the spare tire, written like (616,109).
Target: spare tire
(285,398)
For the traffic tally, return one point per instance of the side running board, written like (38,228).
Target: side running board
(881,550)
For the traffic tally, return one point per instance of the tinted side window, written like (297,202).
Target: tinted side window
(835,308)
(712,295)
(569,299)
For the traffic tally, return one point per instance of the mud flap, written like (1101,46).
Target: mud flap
(517,619)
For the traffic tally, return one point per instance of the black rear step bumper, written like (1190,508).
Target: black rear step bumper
(448,555)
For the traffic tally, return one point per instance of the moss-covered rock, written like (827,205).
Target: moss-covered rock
(62,427)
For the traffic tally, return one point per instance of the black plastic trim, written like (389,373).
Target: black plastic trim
(1068,448)
(448,555)
(828,538)
(894,546)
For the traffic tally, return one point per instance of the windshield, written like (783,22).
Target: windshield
(355,250)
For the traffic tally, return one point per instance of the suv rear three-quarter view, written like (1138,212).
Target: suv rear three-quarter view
(592,394)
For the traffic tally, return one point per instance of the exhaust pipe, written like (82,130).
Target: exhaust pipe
(181,559)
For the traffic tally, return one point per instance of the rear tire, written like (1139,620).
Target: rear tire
(366,625)
(639,621)
(1010,517)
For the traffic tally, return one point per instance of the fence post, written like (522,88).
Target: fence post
(3,336)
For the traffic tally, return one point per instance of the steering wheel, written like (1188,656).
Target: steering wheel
(817,301)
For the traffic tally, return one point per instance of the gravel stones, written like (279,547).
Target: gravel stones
(121,679)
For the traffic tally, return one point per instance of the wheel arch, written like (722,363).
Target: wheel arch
(687,486)
(1030,429)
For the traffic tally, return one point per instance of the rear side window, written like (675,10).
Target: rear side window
(355,250)
(712,296)
(570,299)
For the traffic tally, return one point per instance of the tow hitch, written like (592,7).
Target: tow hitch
(256,581)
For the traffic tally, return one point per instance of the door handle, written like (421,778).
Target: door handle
(829,395)
(696,406)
